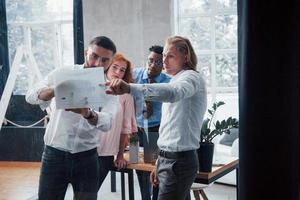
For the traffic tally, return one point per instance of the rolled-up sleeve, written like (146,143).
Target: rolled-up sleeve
(129,120)
(106,115)
(32,95)
(104,121)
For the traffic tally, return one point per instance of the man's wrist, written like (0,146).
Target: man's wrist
(46,94)
(120,155)
(90,115)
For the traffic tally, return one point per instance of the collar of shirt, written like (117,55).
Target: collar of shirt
(157,78)
(173,77)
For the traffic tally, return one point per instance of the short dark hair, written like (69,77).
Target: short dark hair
(105,42)
(156,49)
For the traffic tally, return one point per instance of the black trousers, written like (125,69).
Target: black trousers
(176,175)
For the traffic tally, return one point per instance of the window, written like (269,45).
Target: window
(211,25)
(45,30)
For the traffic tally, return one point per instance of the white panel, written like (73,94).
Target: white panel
(134,25)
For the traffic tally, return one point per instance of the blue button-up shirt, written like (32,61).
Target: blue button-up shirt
(140,75)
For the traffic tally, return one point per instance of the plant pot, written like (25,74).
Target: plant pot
(205,156)
(134,152)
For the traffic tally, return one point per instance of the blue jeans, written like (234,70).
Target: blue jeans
(59,168)
(146,188)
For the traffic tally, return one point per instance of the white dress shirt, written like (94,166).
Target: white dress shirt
(69,131)
(184,105)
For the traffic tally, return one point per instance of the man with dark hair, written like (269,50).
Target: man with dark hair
(105,53)
(70,153)
(149,113)
(156,49)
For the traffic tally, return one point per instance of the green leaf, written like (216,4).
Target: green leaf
(215,132)
(215,106)
(218,125)
(133,139)
(223,124)
(220,103)
(229,121)
(205,124)
(235,123)
(209,130)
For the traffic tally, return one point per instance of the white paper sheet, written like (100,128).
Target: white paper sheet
(79,88)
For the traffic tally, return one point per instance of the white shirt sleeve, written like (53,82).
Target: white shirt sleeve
(106,115)
(33,93)
(179,88)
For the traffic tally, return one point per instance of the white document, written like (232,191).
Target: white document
(80,88)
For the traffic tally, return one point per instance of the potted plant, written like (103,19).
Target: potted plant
(209,131)
(133,148)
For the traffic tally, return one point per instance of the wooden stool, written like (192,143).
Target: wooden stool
(198,190)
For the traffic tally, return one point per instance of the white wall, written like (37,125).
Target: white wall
(134,25)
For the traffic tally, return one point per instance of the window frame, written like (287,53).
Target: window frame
(58,54)
(213,90)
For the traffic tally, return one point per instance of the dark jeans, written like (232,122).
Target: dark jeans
(146,188)
(59,168)
(176,176)
(105,165)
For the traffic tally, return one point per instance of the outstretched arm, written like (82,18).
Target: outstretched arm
(182,87)
(117,87)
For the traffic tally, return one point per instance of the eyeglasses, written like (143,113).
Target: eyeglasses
(158,63)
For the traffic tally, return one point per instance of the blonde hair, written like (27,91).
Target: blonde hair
(184,46)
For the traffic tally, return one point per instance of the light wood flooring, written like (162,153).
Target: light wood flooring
(19,181)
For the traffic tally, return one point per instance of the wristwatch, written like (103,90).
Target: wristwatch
(91,115)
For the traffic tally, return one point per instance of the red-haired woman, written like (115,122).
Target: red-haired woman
(113,142)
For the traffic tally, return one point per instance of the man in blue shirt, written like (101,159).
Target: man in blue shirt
(148,113)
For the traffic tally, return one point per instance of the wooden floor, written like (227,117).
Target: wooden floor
(18,180)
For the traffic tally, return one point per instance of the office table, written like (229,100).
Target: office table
(202,177)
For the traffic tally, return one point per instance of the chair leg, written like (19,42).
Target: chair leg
(203,194)
(196,194)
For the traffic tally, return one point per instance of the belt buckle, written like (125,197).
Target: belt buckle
(163,153)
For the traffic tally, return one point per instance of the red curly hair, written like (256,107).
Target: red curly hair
(128,73)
